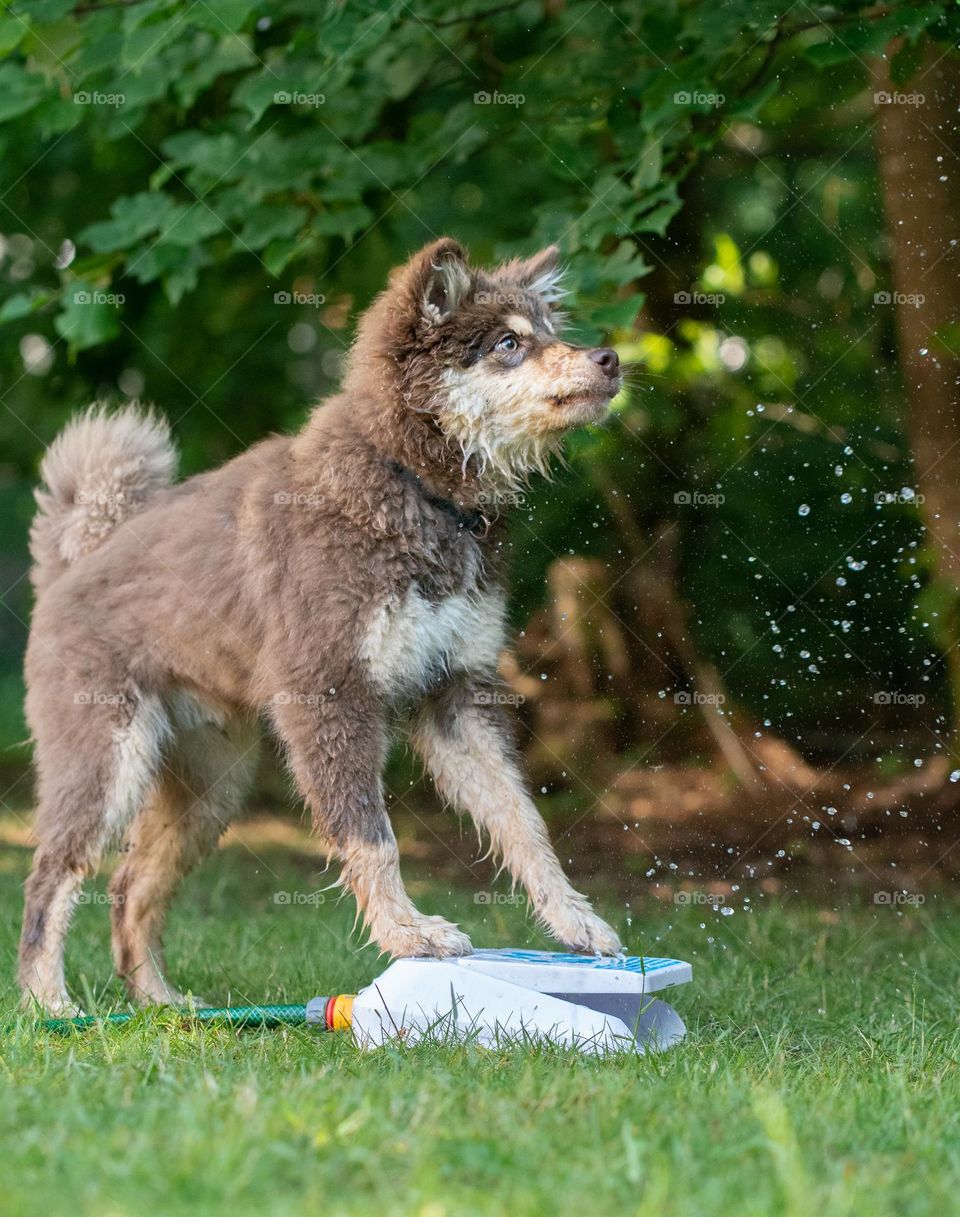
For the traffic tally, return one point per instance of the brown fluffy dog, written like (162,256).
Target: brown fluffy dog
(330,582)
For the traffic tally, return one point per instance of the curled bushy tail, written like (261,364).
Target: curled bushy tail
(101,469)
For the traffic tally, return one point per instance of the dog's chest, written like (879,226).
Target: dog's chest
(411,642)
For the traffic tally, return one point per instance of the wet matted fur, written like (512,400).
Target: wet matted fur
(333,583)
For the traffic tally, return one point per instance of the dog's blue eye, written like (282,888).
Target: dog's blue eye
(507,343)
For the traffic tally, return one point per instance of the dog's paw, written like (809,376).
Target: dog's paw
(433,936)
(159,993)
(576,925)
(184,1001)
(61,1007)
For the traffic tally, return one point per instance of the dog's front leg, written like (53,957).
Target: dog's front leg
(337,750)
(464,740)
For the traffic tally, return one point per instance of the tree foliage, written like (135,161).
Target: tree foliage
(285,133)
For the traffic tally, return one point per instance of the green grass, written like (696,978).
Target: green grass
(819,1076)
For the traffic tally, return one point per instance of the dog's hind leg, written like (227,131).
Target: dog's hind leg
(201,789)
(50,898)
(170,836)
(94,772)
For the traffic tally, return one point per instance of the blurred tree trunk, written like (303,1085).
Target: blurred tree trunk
(919,147)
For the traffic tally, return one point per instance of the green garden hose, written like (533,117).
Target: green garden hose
(324,1013)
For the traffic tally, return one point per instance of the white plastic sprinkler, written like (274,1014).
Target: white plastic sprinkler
(597,1005)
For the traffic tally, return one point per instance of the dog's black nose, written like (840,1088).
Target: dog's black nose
(607,359)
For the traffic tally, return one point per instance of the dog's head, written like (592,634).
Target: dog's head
(479,350)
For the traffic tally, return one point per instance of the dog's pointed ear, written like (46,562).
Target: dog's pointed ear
(436,279)
(542,274)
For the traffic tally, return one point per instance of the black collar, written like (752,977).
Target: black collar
(467,521)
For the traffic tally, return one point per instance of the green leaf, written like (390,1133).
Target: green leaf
(23,304)
(618,316)
(280,254)
(98,55)
(826,54)
(90,316)
(223,15)
(144,43)
(211,156)
(658,218)
(650,167)
(144,11)
(12,31)
(44,12)
(343,222)
(133,217)
(177,267)
(258,91)
(143,87)
(190,224)
(404,74)
(270,221)
(183,278)
(227,55)
(20,90)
